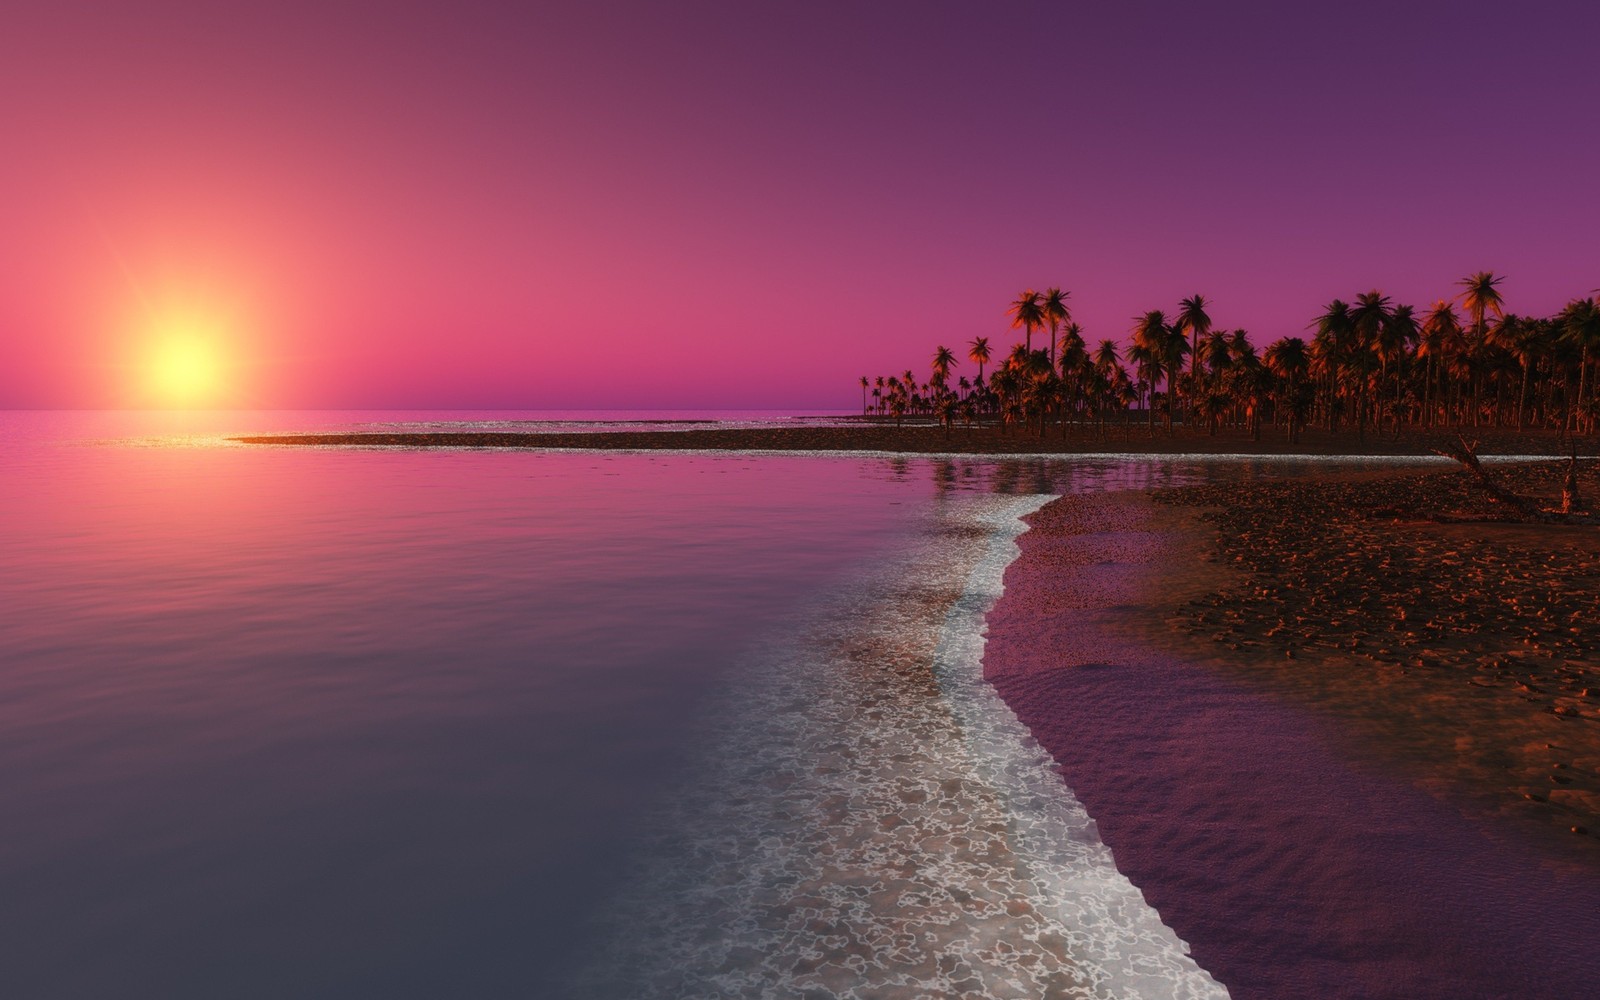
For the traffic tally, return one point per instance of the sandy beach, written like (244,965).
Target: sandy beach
(1309,832)
(1466,647)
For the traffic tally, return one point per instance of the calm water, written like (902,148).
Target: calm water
(280,722)
(308,722)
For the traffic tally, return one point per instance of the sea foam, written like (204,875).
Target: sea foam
(871,820)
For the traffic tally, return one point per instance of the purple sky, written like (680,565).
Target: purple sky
(751,204)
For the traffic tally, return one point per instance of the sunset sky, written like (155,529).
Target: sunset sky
(745,204)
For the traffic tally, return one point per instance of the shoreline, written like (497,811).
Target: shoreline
(1292,851)
(934,441)
(870,819)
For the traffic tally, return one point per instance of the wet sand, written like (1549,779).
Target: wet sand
(923,439)
(1297,853)
(1467,649)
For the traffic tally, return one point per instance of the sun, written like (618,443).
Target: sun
(186,359)
(186,339)
(186,369)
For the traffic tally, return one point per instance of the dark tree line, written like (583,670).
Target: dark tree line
(1370,365)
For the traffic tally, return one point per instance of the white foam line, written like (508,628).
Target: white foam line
(1124,948)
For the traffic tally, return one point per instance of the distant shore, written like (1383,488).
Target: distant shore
(924,439)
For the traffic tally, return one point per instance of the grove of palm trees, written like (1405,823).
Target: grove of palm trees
(1371,366)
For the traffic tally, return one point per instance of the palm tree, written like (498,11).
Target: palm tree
(1175,349)
(1038,391)
(1207,398)
(1580,325)
(1395,339)
(1289,361)
(1073,349)
(1479,297)
(1192,320)
(1440,341)
(1516,336)
(1107,362)
(1054,311)
(1151,352)
(897,406)
(978,351)
(1003,384)
(1028,314)
(1074,357)
(1328,350)
(1216,353)
(1249,383)
(943,360)
(1106,356)
(865,383)
(1367,320)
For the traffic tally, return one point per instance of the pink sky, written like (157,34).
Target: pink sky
(751,204)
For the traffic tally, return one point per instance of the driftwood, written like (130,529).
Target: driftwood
(1571,503)
(1467,455)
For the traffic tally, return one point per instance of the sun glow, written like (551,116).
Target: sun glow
(187,359)
(185,370)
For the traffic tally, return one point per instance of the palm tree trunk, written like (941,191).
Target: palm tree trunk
(1522,400)
(1427,394)
(1572,404)
(1397,393)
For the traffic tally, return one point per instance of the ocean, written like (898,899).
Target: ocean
(335,722)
